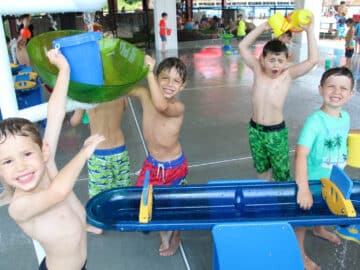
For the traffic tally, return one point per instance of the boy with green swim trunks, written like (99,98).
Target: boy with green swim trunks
(322,144)
(163,116)
(268,135)
(109,166)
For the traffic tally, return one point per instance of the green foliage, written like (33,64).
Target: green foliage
(130,5)
(130,2)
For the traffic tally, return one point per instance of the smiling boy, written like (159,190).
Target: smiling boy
(314,159)
(268,135)
(163,116)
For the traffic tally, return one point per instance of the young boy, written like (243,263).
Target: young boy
(109,166)
(349,42)
(268,135)
(43,205)
(162,120)
(314,158)
(163,29)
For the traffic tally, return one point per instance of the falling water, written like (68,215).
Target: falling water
(89,19)
(53,22)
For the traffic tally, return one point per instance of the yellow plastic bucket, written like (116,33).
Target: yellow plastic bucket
(279,24)
(354,150)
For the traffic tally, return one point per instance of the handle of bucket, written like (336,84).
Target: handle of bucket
(57,46)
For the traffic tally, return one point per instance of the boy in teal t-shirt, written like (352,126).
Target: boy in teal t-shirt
(326,138)
(322,144)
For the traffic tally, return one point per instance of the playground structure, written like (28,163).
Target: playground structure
(8,102)
(235,205)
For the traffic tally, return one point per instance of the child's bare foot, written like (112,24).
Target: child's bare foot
(93,229)
(165,241)
(310,264)
(174,245)
(321,232)
(5,197)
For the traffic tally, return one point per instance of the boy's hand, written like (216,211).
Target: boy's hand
(266,26)
(304,198)
(56,58)
(91,143)
(309,27)
(108,34)
(149,61)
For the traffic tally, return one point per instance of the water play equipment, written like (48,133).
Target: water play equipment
(226,37)
(299,17)
(279,24)
(293,22)
(83,54)
(256,212)
(25,33)
(122,64)
(354,150)
(8,102)
(200,207)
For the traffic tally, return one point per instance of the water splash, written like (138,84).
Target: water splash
(340,253)
(89,19)
(53,22)
(13,45)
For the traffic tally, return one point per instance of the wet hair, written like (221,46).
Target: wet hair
(276,47)
(337,71)
(19,127)
(173,62)
(288,33)
(23,16)
(349,21)
(164,14)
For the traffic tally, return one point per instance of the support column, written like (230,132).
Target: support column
(168,6)
(315,7)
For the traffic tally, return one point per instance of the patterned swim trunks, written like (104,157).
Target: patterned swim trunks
(270,149)
(171,173)
(108,168)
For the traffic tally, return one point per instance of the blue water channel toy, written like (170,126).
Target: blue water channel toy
(260,207)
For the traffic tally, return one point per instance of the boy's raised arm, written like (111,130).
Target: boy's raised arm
(313,54)
(77,117)
(60,187)
(246,54)
(56,106)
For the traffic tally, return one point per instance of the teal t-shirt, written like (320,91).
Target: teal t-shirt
(326,137)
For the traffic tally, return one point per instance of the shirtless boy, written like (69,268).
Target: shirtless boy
(43,205)
(108,167)
(268,135)
(162,120)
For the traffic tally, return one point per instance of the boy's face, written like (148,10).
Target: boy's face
(170,82)
(274,64)
(22,162)
(336,91)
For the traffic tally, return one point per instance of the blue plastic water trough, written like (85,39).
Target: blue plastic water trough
(200,207)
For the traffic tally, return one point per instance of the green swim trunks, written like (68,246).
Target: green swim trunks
(270,149)
(108,168)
